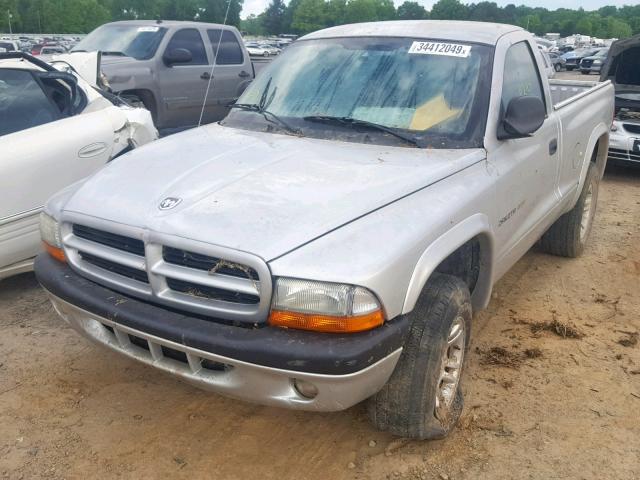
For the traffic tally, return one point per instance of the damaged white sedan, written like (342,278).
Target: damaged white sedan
(55,129)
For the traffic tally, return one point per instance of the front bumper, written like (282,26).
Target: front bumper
(621,146)
(257,365)
(592,69)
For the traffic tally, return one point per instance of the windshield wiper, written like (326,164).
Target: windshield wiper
(114,53)
(268,115)
(354,122)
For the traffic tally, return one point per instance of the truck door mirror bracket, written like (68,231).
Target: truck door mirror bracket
(524,116)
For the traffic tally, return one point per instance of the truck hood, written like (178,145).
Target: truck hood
(258,192)
(622,67)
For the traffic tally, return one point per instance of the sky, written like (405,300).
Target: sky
(258,6)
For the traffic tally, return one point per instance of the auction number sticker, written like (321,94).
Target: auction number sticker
(148,29)
(439,48)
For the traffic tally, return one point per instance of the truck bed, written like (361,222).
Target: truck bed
(564,92)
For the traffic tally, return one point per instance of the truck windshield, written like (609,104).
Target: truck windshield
(139,42)
(432,91)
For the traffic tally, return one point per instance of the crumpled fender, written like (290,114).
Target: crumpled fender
(133,127)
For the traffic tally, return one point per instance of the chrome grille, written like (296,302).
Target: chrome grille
(627,156)
(205,279)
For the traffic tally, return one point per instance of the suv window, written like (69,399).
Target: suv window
(23,104)
(521,75)
(230,52)
(190,39)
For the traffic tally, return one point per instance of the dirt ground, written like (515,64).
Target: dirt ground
(540,403)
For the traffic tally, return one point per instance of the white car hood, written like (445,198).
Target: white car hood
(258,192)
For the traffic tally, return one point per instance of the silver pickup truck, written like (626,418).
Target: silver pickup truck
(328,242)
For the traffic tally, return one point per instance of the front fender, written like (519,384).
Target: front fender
(475,226)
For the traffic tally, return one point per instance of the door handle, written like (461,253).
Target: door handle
(553,146)
(206,76)
(244,74)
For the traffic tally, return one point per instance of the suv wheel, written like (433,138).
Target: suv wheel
(423,399)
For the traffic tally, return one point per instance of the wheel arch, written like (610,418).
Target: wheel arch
(596,152)
(441,256)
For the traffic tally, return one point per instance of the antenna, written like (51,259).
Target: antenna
(213,65)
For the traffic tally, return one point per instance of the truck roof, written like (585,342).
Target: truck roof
(171,23)
(479,32)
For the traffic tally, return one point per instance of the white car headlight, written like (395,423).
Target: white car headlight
(324,306)
(50,230)
(597,62)
(50,234)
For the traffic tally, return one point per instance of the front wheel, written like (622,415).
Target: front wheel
(567,237)
(557,67)
(423,399)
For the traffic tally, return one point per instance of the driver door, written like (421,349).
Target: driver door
(42,152)
(527,167)
(183,85)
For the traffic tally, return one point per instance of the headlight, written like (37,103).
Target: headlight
(324,306)
(50,234)
(597,62)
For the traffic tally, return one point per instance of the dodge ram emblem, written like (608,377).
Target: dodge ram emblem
(169,202)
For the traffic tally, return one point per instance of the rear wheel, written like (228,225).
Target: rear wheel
(568,236)
(423,399)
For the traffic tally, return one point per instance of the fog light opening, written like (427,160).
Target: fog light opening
(305,389)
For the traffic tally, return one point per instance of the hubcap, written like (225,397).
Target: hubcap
(451,368)
(586,214)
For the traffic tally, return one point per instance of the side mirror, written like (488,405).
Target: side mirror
(524,116)
(177,55)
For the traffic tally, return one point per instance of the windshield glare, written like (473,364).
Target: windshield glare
(378,80)
(139,42)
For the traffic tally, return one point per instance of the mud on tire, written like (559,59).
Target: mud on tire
(407,404)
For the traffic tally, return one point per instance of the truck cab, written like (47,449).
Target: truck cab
(167,66)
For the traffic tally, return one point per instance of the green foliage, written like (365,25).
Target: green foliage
(309,16)
(412,11)
(273,17)
(450,10)
(302,16)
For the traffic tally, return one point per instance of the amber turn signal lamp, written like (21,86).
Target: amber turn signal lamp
(55,252)
(326,323)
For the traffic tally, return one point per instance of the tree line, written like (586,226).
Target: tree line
(303,16)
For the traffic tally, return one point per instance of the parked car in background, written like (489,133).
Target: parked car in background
(573,58)
(622,67)
(52,50)
(548,65)
(593,63)
(35,49)
(256,50)
(271,48)
(557,61)
(328,241)
(9,45)
(166,67)
(55,130)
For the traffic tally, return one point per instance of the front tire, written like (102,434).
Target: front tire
(423,399)
(557,67)
(568,236)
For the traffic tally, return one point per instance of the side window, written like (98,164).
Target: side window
(230,52)
(189,39)
(23,104)
(521,75)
